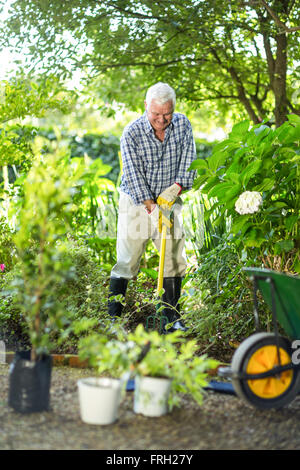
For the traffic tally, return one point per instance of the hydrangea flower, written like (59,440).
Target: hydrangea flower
(2,267)
(248,203)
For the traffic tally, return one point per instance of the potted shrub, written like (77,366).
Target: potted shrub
(100,396)
(43,270)
(164,367)
(171,367)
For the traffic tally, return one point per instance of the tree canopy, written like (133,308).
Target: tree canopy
(240,54)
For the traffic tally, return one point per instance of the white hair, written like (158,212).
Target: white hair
(161,93)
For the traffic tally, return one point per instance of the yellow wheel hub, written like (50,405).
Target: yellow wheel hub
(264,359)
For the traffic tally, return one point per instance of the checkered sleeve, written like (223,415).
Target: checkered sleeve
(133,170)
(184,177)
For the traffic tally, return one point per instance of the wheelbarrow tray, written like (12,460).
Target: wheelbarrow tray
(286,298)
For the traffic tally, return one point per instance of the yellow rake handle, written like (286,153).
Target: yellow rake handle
(162,258)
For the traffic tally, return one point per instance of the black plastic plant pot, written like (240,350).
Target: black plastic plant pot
(29,383)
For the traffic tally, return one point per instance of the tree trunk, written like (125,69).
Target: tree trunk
(243,97)
(279,83)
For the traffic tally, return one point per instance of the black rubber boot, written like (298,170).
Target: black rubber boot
(117,286)
(172,287)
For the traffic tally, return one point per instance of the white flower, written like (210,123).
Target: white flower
(248,202)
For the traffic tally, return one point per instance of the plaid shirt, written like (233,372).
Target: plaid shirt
(151,166)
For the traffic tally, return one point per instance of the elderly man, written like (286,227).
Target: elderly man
(157,150)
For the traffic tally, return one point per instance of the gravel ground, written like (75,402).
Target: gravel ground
(223,422)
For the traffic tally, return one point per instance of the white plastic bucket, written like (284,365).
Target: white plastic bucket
(99,399)
(151,395)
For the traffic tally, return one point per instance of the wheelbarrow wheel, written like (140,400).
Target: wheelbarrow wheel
(258,354)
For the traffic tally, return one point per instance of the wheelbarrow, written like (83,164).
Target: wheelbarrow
(265,367)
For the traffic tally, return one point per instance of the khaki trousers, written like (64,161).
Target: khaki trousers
(135,228)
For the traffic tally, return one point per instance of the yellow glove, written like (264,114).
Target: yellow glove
(167,198)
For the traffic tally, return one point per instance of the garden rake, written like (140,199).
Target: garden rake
(163,225)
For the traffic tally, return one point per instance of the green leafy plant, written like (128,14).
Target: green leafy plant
(217,302)
(105,147)
(113,356)
(164,359)
(96,213)
(24,96)
(43,225)
(173,357)
(7,247)
(264,160)
(13,326)
(83,299)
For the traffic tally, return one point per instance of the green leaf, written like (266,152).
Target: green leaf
(230,194)
(239,223)
(294,118)
(266,185)
(219,220)
(239,130)
(255,238)
(246,227)
(234,177)
(211,183)
(216,160)
(220,189)
(283,246)
(263,150)
(221,146)
(293,135)
(198,164)
(288,134)
(296,265)
(254,242)
(150,272)
(198,182)
(277,205)
(249,171)
(261,130)
(291,221)
(240,153)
